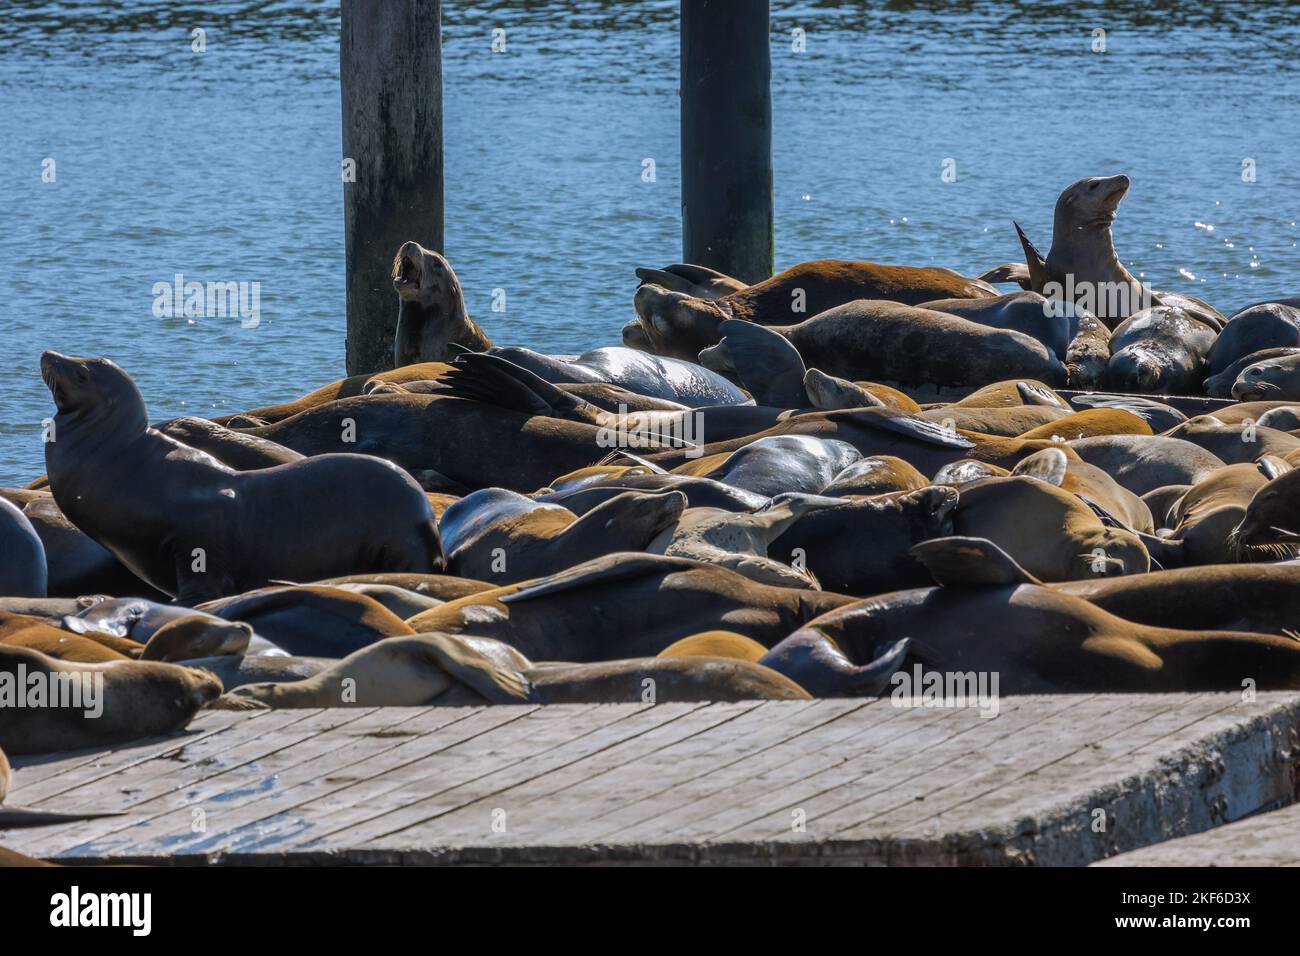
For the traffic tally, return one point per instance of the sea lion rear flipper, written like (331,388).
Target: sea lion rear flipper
(496,682)
(1035,264)
(1016,272)
(614,567)
(1037,395)
(699,281)
(767,364)
(960,562)
(614,457)
(922,430)
(1047,465)
(1271,466)
(492,380)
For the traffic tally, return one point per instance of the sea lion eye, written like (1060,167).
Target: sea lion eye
(1255,371)
(1092,185)
(83,374)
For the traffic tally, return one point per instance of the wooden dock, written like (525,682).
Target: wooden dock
(1064,779)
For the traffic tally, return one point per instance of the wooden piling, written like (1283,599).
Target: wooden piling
(390,65)
(726,133)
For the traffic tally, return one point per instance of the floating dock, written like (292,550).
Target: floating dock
(1049,780)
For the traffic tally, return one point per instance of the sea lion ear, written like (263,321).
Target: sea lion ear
(1271,466)
(970,562)
(1047,465)
(1034,260)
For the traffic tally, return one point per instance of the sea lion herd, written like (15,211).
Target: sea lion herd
(797,488)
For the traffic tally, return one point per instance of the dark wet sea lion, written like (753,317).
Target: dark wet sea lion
(1142,463)
(1251,330)
(135,618)
(138,699)
(989,616)
(675,324)
(311,620)
(1274,379)
(626,605)
(547,539)
(1046,530)
(966,469)
(23,571)
(878,339)
(1026,312)
(194,528)
(777,464)
(235,449)
(1220,385)
(431,315)
(832,542)
(1160,350)
(699,492)
(1263,598)
(443,669)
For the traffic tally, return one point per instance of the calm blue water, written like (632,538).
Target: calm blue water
(225,165)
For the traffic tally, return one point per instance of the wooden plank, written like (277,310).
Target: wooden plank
(1266,839)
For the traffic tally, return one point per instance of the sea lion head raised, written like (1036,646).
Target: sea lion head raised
(1089,203)
(93,389)
(1270,519)
(675,324)
(1263,381)
(432,308)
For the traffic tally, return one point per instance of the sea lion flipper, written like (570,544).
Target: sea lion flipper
(614,567)
(1016,272)
(17,818)
(1034,261)
(496,682)
(1271,466)
(1032,394)
(960,562)
(1047,465)
(923,430)
(492,380)
(767,364)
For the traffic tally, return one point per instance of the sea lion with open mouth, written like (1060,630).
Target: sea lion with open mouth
(196,529)
(432,313)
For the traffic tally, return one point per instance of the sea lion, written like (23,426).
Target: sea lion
(443,669)
(1220,385)
(1007,421)
(112,702)
(674,324)
(988,615)
(400,601)
(1160,503)
(959,472)
(234,449)
(1275,379)
(699,492)
(440,587)
(135,618)
(875,476)
(1262,598)
(23,572)
(1089,422)
(781,463)
(1091,484)
(196,529)
(698,281)
(197,636)
(829,392)
(1253,329)
(716,644)
(1235,443)
(547,538)
(877,339)
(17,630)
(310,620)
(1285,419)
(1203,520)
(236,671)
(740,541)
(1012,393)
(829,542)
(1159,416)
(352,386)
(431,315)
(1026,312)
(1142,463)
(626,605)
(1270,519)
(1046,530)
(1161,350)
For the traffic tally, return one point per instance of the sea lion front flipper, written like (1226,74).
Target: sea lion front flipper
(1016,272)
(1271,466)
(1035,264)
(767,364)
(1047,465)
(961,562)
(1032,394)
(1165,553)
(698,281)
(614,567)
(496,682)
(491,380)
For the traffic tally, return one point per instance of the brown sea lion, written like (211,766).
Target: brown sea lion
(1142,463)
(698,281)
(195,529)
(19,630)
(197,636)
(235,449)
(828,392)
(310,620)
(432,313)
(350,387)
(626,605)
(716,644)
(1012,393)
(1046,530)
(679,325)
(441,587)
(1007,421)
(1202,522)
(1091,484)
(1271,518)
(444,669)
(1235,443)
(990,616)
(875,476)
(1089,422)
(103,704)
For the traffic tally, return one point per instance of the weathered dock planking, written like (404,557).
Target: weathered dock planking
(1268,839)
(1064,779)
